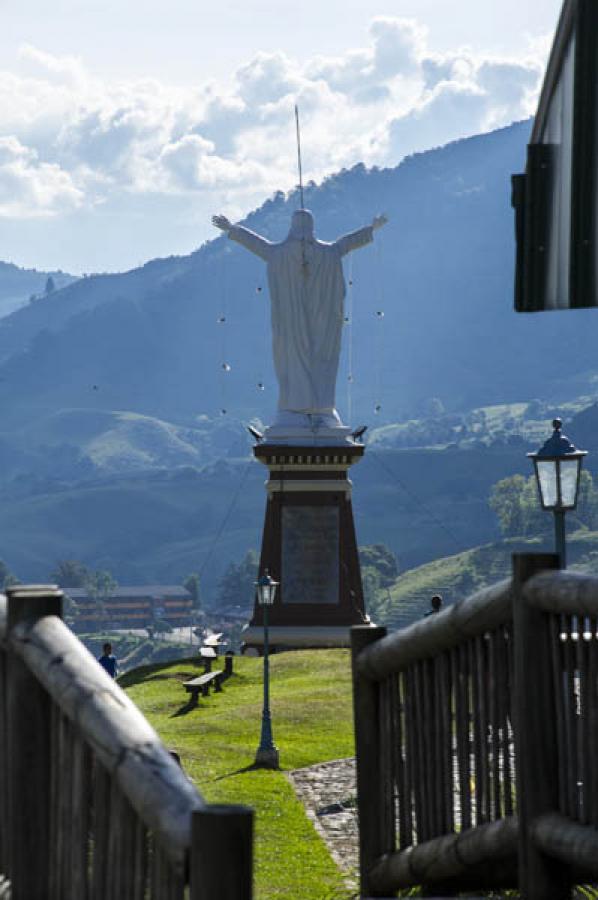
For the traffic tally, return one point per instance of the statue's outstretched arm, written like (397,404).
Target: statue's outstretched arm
(253,242)
(361,237)
(222,223)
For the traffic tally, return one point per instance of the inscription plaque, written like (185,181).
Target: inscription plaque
(310,554)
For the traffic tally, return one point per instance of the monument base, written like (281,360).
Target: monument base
(320,428)
(297,637)
(309,546)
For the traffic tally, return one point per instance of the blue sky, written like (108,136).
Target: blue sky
(126,124)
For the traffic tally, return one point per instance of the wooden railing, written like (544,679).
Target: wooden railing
(92,805)
(476,736)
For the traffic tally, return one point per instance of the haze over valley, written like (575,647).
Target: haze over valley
(125,396)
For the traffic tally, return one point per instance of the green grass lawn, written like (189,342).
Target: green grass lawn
(312,717)
(312,723)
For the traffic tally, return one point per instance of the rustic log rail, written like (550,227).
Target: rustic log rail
(565,611)
(440,790)
(91,802)
(476,734)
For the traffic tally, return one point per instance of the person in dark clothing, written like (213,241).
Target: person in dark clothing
(108,661)
(435,604)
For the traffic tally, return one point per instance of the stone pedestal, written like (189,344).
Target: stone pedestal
(309,546)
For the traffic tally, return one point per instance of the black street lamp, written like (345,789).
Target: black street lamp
(267,754)
(558,469)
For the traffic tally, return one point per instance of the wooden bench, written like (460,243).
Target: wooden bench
(203,682)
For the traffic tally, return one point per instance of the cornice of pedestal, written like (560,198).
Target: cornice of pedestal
(308,469)
(300,458)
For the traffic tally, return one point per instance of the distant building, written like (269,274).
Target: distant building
(132,607)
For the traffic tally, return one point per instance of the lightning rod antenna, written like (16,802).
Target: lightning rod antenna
(299,155)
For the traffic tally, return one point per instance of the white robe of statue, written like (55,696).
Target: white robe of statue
(307,291)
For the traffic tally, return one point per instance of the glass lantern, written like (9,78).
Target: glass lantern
(558,469)
(266,589)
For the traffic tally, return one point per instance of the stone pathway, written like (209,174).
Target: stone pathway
(328,793)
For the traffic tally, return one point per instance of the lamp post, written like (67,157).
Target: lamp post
(558,469)
(267,754)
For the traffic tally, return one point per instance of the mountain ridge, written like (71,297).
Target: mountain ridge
(19,287)
(149,340)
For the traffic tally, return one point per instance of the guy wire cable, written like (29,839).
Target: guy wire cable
(349,325)
(379,312)
(227,516)
(222,322)
(410,493)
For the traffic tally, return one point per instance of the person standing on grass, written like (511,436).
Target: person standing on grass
(108,661)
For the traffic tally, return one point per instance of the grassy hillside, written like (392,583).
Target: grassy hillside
(312,721)
(157,527)
(163,522)
(459,575)
(160,525)
(430,507)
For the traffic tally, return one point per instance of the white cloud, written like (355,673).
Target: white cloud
(450,111)
(267,78)
(182,159)
(30,188)
(61,69)
(399,46)
(72,139)
(510,86)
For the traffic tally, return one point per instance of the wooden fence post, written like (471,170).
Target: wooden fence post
(540,878)
(222,853)
(366,714)
(29,750)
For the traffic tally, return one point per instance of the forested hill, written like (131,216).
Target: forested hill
(21,286)
(441,273)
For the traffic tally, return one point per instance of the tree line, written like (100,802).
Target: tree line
(516,504)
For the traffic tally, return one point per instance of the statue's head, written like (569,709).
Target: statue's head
(302,225)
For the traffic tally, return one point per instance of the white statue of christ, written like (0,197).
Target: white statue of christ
(307,291)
